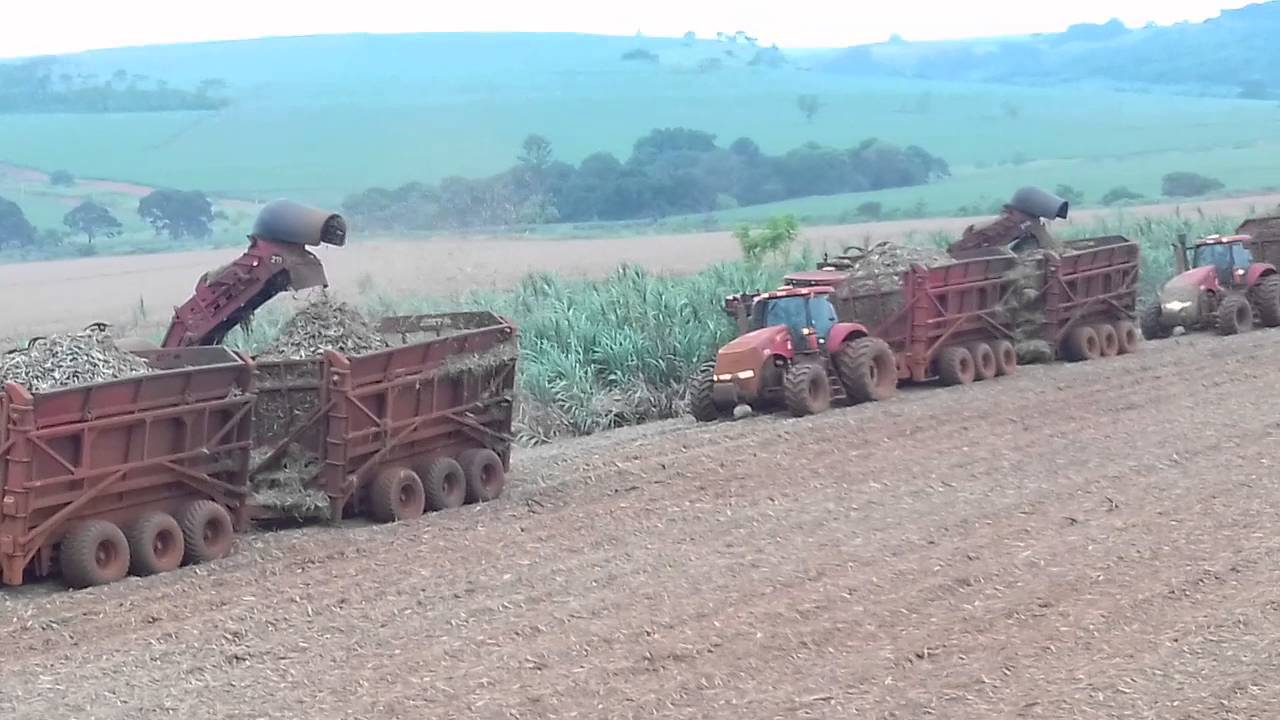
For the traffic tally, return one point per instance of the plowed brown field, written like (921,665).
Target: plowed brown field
(1096,540)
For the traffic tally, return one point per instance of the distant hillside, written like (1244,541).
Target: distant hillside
(1235,53)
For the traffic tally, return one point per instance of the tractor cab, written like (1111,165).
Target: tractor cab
(1229,257)
(806,312)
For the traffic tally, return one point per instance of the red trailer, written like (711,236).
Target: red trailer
(423,425)
(1090,298)
(135,475)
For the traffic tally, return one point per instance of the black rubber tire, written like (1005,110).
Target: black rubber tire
(955,366)
(1265,297)
(207,532)
(1006,357)
(867,369)
(156,544)
(1082,344)
(396,494)
(444,484)
(486,477)
(94,552)
(1129,337)
(1234,315)
(807,389)
(1152,328)
(984,361)
(701,404)
(1108,340)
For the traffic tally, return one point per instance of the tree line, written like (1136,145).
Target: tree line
(42,86)
(177,214)
(671,171)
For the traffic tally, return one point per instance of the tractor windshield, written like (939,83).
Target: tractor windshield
(797,313)
(1224,257)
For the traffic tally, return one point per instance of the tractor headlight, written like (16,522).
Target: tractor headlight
(1177,305)
(746,374)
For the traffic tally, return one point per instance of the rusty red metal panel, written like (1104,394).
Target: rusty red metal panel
(1094,280)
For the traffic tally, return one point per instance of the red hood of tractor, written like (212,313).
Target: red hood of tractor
(749,352)
(1187,285)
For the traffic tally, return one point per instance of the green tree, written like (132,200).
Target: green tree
(1070,194)
(92,219)
(1118,194)
(1188,184)
(15,230)
(809,105)
(775,239)
(61,178)
(177,213)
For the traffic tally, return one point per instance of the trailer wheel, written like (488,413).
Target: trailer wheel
(984,361)
(207,532)
(955,366)
(155,544)
(93,553)
(1108,340)
(486,477)
(396,494)
(807,389)
(1234,315)
(1127,333)
(701,404)
(1266,297)
(1083,344)
(1006,357)
(867,369)
(444,484)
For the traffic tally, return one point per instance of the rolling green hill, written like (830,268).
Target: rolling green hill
(318,118)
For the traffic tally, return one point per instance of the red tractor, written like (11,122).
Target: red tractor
(1220,285)
(795,352)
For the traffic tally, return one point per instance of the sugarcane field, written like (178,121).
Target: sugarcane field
(595,373)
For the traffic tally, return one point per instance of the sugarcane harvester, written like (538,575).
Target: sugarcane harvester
(277,260)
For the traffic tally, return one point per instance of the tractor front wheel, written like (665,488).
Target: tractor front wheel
(807,389)
(867,369)
(1152,327)
(1234,315)
(701,403)
(1266,298)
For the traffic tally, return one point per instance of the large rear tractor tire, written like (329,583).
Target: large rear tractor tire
(1152,328)
(1083,344)
(807,389)
(444,483)
(1127,334)
(1266,298)
(486,477)
(155,544)
(984,361)
(396,494)
(1006,357)
(1234,315)
(207,532)
(93,553)
(955,366)
(867,369)
(701,404)
(1108,340)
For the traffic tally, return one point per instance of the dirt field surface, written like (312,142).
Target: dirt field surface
(1076,541)
(141,291)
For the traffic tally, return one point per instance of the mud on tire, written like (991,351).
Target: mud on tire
(396,494)
(1265,297)
(1082,344)
(701,404)
(984,360)
(807,389)
(444,484)
(867,369)
(955,366)
(155,544)
(1006,357)
(486,477)
(1234,315)
(207,532)
(1127,334)
(95,552)
(1108,340)
(1152,328)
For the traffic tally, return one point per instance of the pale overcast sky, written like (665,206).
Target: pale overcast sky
(32,27)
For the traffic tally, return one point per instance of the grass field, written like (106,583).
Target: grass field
(326,116)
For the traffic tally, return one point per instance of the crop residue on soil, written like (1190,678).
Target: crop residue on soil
(70,359)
